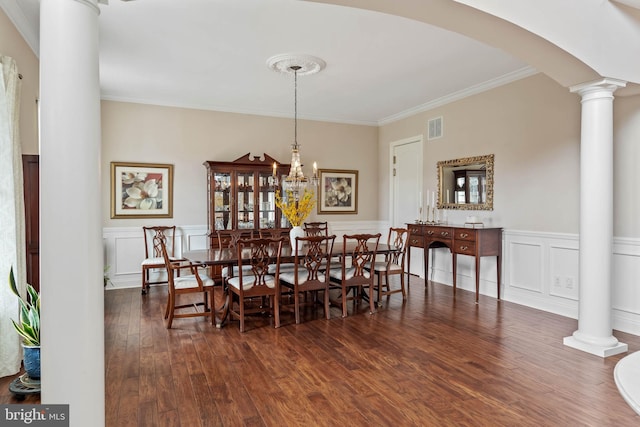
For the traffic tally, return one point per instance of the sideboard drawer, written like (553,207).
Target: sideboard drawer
(440,233)
(415,230)
(465,247)
(464,234)
(416,241)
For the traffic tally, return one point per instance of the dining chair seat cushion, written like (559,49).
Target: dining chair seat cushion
(284,267)
(382,266)
(290,277)
(157,260)
(249,281)
(245,269)
(336,273)
(186,282)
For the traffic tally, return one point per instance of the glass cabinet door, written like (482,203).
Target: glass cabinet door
(267,200)
(245,199)
(222,201)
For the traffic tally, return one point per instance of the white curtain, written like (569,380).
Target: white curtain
(12,223)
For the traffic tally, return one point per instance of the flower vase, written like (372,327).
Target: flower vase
(295,231)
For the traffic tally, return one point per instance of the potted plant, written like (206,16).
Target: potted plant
(28,327)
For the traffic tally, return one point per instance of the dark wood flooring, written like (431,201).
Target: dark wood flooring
(434,361)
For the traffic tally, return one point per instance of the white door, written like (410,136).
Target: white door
(406,190)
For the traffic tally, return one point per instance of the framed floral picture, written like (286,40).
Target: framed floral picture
(141,190)
(338,191)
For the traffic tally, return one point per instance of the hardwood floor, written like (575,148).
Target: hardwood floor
(434,361)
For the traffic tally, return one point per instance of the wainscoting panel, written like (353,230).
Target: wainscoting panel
(539,270)
(533,262)
(625,297)
(128,251)
(528,259)
(563,272)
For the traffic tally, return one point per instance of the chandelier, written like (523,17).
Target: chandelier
(296,182)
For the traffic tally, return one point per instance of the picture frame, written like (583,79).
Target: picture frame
(141,190)
(338,191)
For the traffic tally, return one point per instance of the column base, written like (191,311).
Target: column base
(595,349)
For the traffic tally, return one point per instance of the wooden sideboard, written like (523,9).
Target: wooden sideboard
(475,242)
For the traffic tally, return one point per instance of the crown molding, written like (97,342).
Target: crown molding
(456,96)
(23,25)
(222,109)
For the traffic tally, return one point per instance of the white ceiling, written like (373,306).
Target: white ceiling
(211,54)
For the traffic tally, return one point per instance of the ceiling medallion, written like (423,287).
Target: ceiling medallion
(308,64)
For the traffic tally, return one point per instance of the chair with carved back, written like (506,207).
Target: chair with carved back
(316,228)
(393,264)
(312,259)
(229,239)
(256,282)
(359,250)
(277,233)
(180,285)
(153,238)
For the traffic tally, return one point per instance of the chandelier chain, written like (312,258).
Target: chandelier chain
(295,69)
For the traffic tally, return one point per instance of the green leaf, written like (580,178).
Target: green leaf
(12,283)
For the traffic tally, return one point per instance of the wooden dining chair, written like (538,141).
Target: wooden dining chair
(312,259)
(179,286)
(153,238)
(255,281)
(276,233)
(358,251)
(229,239)
(316,228)
(393,264)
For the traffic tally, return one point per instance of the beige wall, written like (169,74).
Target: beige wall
(186,138)
(533,128)
(12,44)
(626,151)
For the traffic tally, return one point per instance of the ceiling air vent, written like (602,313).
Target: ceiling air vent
(435,128)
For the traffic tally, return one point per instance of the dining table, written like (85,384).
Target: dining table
(228,257)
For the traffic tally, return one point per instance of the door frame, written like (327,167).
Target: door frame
(417,139)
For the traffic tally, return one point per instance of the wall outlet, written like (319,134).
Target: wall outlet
(569,282)
(556,281)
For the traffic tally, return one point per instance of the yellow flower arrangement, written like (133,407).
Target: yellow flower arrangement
(296,212)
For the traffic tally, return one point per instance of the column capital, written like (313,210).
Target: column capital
(92,4)
(605,84)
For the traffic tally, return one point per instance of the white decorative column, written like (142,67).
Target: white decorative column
(70,211)
(594,334)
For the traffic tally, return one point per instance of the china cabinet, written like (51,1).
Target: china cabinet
(241,195)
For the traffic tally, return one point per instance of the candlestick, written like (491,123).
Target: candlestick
(275,167)
(447,196)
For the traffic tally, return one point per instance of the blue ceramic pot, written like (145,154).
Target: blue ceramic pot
(31,358)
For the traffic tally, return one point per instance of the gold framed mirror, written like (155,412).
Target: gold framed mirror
(466,183)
